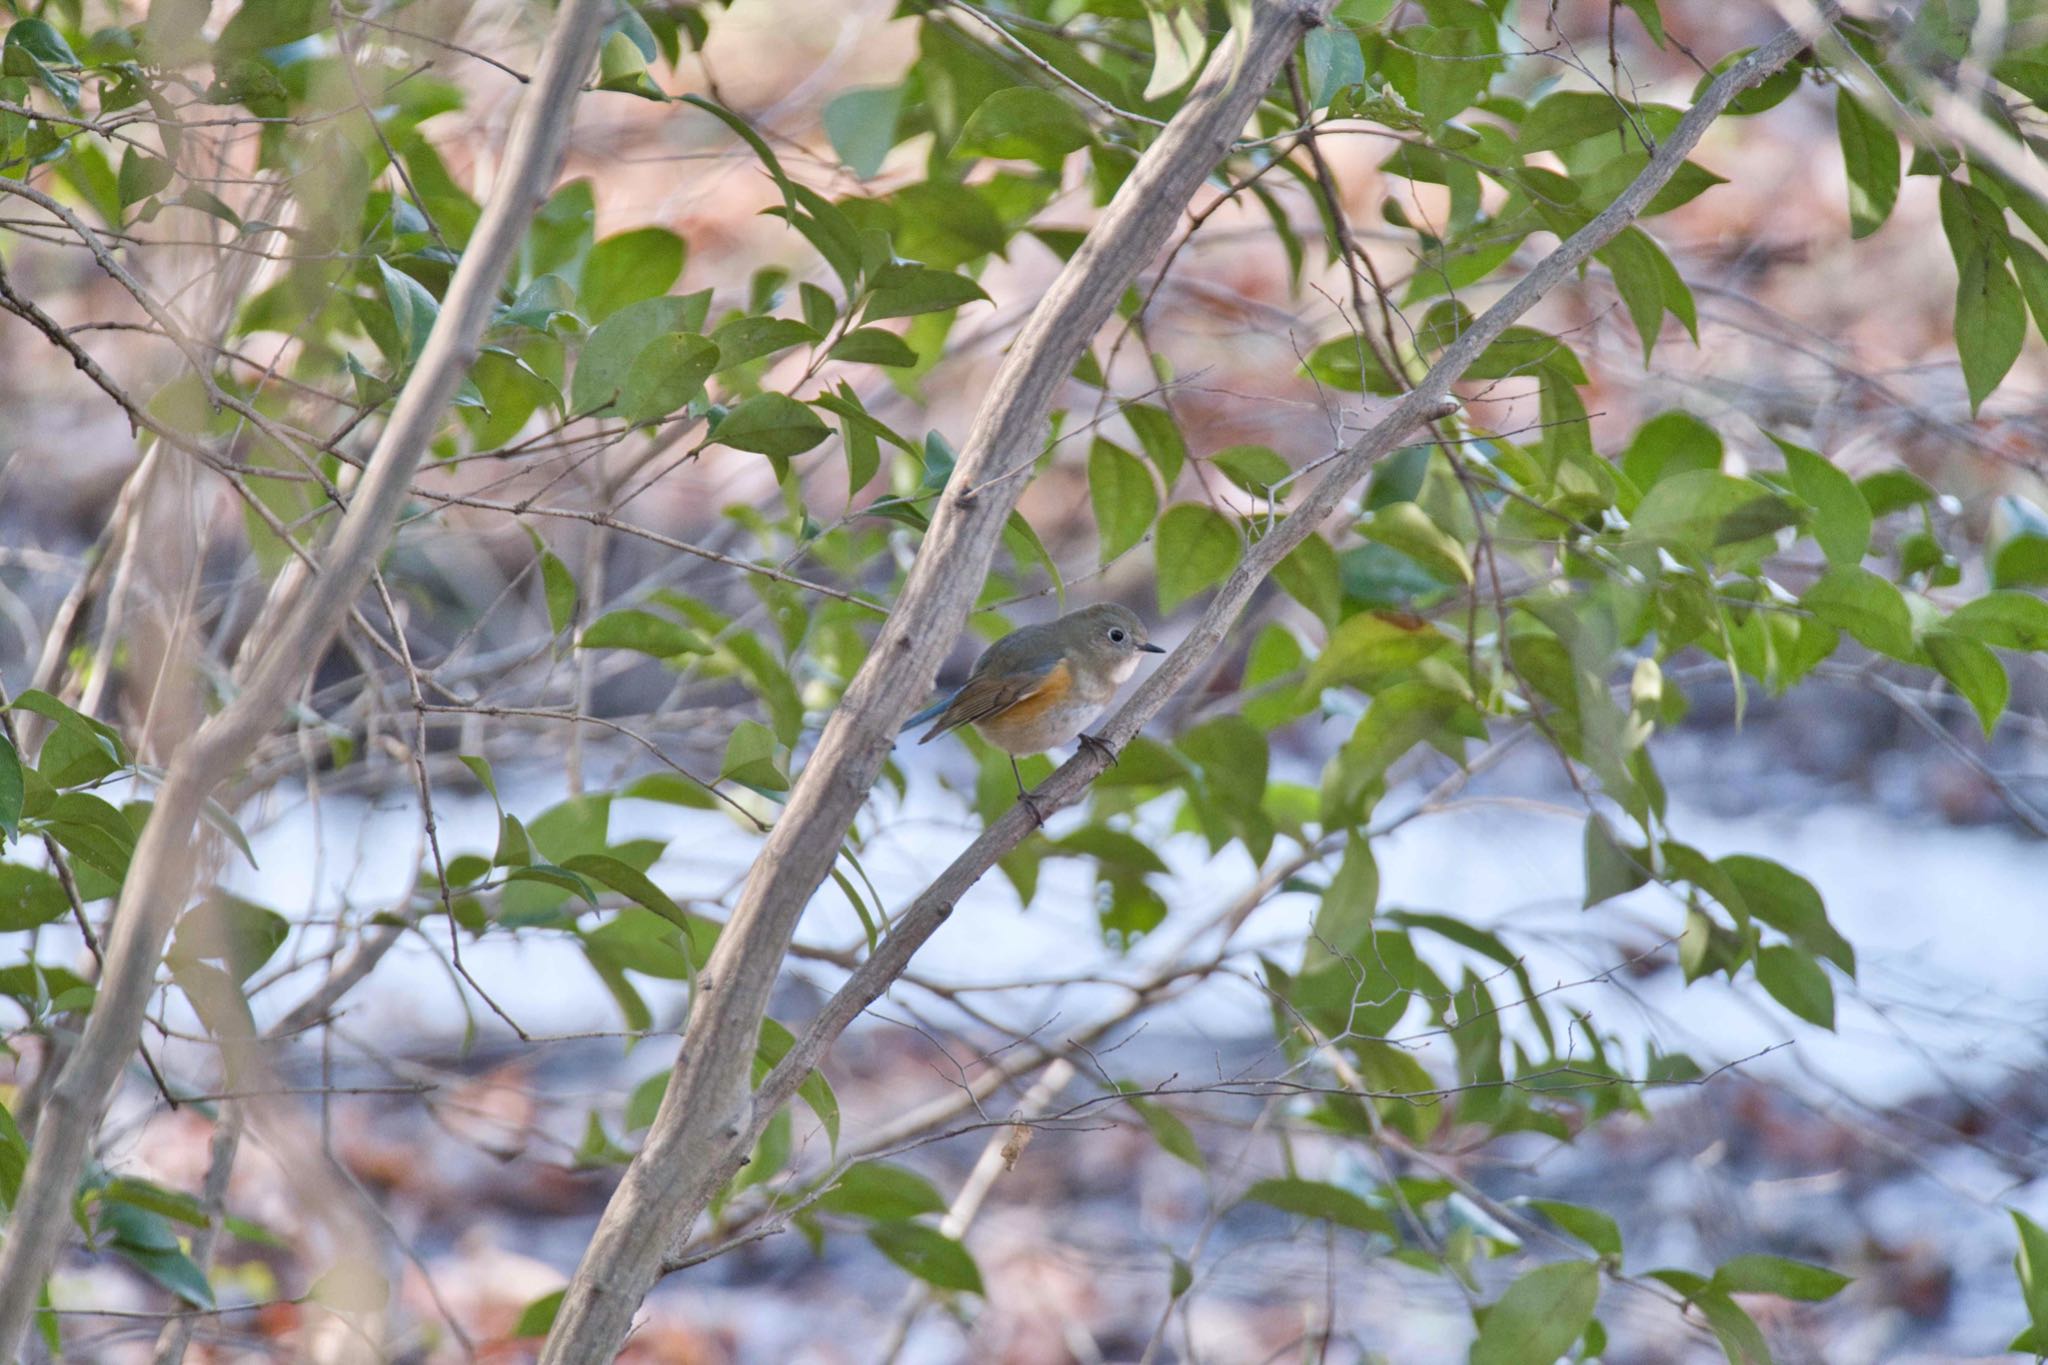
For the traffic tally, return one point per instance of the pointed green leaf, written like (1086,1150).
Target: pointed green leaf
(1870,154)
(1539,1316)
(1197,548)
(1974,671)
(1798,982)
(1125,501)
(627,268)
(929,1254)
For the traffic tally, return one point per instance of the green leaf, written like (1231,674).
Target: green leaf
(2032,268)
(1342,929)
(413,309)
(44,43)
(1404,526)
(771,424)
(1125,501)
(750,338)
(2007,619)
(1332,60)
(616,343)
(750,758)
(668,374)
(1255,469)
(1113,847)
(2031,1265)
(1159,437)
(873,346)
(1866,606)
(1841,521)
(1870,154)
(1540,1316)
(13,1158)
(2015,549)
(1590,1226)
(1991,313)
(1668,444)
(642,631)
(172,1269)
(819,309)
(1888,490)
(1700,509)
(561,878)
(921,290)
(929,1254)
(1170,1132)
(1309,573)
(93,832)
(560,589)
(1639,267)
(1401,716)
(1796,981)
(29,896)
(1787,1279)
(630,882)
(1198,547)
(1974,671)
(776,1041)
(1349,364)
(263,24)
(1612,867)
(79,750)
(174,1204)
(1178,43)
(13,790)
(141,176)
(1024,124)
(881,1191)
(1316,1199)
(862,127)
(1741,1339)
(1788,903)
(1568,117)
(238,934)
(537,1319)
(1372,646)
(627,268)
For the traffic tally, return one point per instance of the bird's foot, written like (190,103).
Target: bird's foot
(1100,746)
(1024,800)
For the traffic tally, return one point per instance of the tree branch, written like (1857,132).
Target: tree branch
(160,874)
(704,1119)
(1427,401)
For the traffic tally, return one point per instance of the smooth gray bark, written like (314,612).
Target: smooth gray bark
(702,1129)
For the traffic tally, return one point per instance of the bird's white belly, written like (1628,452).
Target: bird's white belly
(1050,728)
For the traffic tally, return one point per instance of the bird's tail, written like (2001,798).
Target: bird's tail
(929,713)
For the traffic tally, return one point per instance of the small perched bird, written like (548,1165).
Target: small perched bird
(1037,687)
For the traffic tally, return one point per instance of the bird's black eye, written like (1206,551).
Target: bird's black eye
(1116,634)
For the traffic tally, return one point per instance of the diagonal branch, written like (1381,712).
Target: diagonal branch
(1425,403)
(160,874)
(703,1122)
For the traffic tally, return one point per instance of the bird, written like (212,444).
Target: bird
(1039,686)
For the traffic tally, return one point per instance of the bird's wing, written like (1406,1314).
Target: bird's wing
(985,695)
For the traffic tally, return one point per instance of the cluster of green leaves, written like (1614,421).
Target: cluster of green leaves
(64,837)
(2001,274)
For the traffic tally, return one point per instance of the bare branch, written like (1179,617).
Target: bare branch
(705,1115)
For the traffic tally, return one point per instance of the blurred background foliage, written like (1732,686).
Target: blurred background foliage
(1748,465)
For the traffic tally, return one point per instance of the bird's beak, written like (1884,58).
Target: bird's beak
(1150,648)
